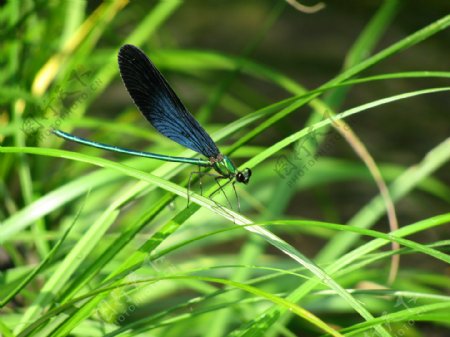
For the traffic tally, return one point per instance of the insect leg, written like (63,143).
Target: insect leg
(200,174)
(220,188)
(237,195)
(189,184)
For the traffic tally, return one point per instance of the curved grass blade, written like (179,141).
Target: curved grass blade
(43,263)
(232,216)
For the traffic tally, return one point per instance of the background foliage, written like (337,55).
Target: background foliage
(341,114)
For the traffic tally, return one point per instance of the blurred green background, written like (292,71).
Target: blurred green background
(227,61)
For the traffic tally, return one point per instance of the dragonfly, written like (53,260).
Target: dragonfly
(160,106)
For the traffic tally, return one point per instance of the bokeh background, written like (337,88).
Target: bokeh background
(311,49)
(50,74)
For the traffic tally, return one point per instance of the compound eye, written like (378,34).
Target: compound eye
(248,173)
(244,176)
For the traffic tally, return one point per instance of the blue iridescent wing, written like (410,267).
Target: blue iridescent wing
(159,104)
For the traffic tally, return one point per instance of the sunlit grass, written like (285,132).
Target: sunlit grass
(98,244)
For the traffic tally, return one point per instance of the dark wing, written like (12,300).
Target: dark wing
(159,104)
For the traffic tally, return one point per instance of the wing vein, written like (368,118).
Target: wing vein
(160,105)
